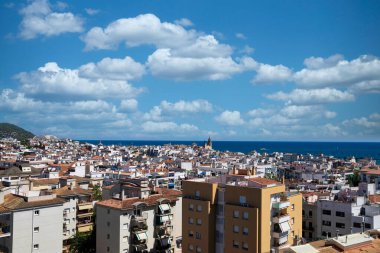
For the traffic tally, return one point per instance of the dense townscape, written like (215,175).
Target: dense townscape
(60,195)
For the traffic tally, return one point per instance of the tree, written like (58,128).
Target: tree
(354,179)
(83,242)
(96,193)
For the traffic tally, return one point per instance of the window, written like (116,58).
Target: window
(236,214)
(326,223)
(108,211)
(357,225)
(191,220)
(108,223)
(303,212)
(199,208)
(36,246)
(37,212)
(235,244)
(340,214)
(199,249)
(108,249)
(36,229)
(191,247)
(292,221)
(245,231)
(243,200)
(310,213)
(125,226)
(191,207)
(340,225)
(108,236)
(198,235)
(236,229)
(199,222)
(197,194)
(245,246)
(245,215)
(367,225)
(292,207)
(326,212)
(191,233)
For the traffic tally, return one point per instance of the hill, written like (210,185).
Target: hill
(9,130)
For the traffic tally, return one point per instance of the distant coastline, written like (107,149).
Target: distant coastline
(336,149)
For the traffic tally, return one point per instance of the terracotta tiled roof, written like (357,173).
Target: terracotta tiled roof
(150,201)
(38,182)
(263,181)
(66,191)
(14,202)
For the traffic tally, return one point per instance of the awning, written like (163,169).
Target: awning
(85,206)
(164,207)
(141,236)
(85,229)
(285,226)
(165,218)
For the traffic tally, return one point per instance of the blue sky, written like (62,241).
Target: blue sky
(186,70)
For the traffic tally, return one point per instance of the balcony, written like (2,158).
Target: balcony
(84,225)
(139,248)
(5,231)
(281,204)
(164,244)
(281,218)
(164,220)
(85,206)
(278,234)
(163,231)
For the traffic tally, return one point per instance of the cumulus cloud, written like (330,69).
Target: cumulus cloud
(52,79)
(336,71)
(113,68)
(230,118)
(313,96)
(182,106)
(128,104)
(167,126)
(162,63)
(240,36)
(266,73)
(39,19)
(154,114)
(91,11)
(184,22)
(145,29)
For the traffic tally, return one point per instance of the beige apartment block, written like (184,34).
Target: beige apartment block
(148,223)
(239,213)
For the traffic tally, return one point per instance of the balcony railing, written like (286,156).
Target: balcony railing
(5,231)
(278,234)
(281,218)
(281,204)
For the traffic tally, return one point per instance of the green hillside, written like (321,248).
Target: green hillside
(9,130)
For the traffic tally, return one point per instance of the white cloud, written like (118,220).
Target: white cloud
(161,127)
(321,63)
(184,22)
(363,122)
(266,73)
(230,118)
(91,11)
(247,50)
(39,19)
(260,112)
(15,101)
(338,72)
(372,86)
(113,68)
(145,29)
(128,104)
(154,114)
(165,65)
(375,116)
(52,79)
(313,96)
(240,36)
(182,106)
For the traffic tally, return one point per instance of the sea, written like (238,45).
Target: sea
(336,149)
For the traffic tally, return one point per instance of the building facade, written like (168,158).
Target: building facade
(236,213)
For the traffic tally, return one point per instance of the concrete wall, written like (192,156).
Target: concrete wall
(49,238)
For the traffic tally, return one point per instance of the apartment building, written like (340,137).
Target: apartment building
(239,213)
(149,221)
(77,211)
(31,223)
